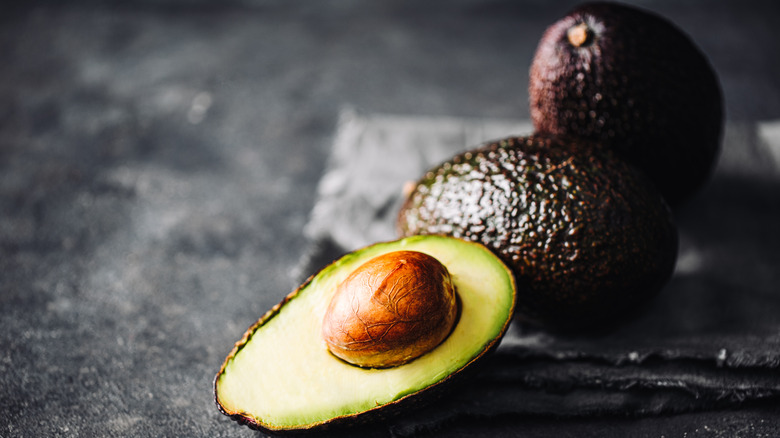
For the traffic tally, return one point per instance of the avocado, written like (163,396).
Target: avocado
(588,237)
(631,79)
(285,376)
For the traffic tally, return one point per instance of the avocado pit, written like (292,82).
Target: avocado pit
(391,310)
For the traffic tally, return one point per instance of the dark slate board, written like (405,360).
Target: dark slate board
(710,339)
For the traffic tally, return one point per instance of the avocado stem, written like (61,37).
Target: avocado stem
(579,35)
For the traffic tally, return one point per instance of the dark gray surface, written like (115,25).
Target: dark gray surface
(159,162)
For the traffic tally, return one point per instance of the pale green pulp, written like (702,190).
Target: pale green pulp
(285,378)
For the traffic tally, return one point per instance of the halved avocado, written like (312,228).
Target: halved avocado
(281,377)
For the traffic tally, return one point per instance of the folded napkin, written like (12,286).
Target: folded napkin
(710,339)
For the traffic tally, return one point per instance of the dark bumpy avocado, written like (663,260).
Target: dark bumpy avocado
(633,80)
(587,236)
(281,376)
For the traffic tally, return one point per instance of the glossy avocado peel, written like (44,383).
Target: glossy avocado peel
(588,237)
(282,377)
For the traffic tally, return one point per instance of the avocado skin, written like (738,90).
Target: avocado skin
(587,236)
(639,85)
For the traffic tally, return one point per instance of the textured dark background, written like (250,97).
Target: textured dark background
(159,161)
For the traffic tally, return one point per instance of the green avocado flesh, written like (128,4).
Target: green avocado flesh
(281,376)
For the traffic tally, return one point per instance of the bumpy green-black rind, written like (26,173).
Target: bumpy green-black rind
(640,85)
(381,413)
(588,237)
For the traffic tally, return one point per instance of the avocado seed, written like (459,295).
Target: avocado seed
(391,310)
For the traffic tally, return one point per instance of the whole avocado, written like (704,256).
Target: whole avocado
(587,236)
(632,80)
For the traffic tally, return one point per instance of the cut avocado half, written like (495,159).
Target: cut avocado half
(281,376)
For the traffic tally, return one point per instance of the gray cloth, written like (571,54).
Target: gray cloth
(710,339)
